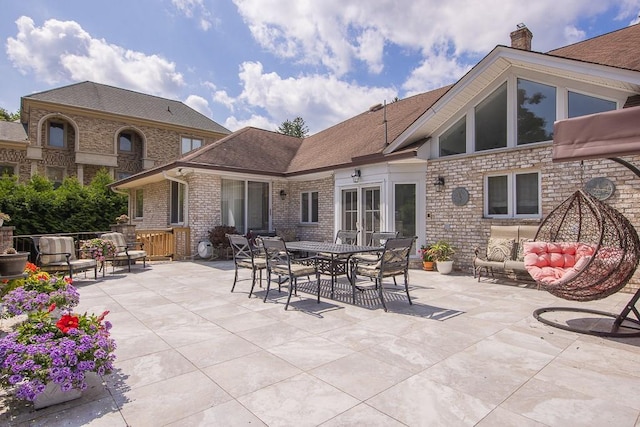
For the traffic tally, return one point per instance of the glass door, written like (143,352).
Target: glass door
(350,210)
(370,212)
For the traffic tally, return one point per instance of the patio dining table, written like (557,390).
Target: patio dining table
(338,256)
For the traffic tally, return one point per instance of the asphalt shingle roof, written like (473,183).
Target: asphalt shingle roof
(113,100)
(616,49)
(12,131)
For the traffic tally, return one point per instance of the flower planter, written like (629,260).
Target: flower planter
(444,267)
(52,395)
(427,265)
(13,264)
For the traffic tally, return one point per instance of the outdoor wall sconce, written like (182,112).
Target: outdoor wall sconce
(283,194)
(356,175)
(439,184)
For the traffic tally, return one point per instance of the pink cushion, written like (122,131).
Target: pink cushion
(550,262)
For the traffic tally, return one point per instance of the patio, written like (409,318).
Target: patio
(191,353)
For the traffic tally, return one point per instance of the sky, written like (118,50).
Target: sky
(261,62)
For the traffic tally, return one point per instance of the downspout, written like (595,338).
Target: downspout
(186,195)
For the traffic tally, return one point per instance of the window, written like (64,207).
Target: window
(491,120)
(309,207)
(56,134)
(536,111)
(581,105)
(125,142)
(405,209)
(123,175)
(139,195)
(55,175)
(513,195)
(177,202)
(454,139)
(189,144)
(245,205)
(7,170)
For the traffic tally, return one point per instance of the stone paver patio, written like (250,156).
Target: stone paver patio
(190,353)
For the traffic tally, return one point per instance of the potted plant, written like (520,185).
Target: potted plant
(47,360)
(122,219)
(427,257)
(38,291)
(12,262)
(442,253)
(99,249)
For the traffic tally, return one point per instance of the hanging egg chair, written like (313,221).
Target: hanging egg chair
(604,250)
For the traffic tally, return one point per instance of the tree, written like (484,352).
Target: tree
(297,128)
(7,116)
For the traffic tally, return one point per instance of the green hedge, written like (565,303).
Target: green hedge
(36,207)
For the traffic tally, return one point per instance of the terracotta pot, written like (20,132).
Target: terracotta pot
(13,264)
(427,265)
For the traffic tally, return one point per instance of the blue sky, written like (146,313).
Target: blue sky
(261,62)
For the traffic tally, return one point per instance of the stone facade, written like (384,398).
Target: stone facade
(466,227)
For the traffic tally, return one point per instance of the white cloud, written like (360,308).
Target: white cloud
(199,104)
(195,9)
(321,100)
(233,123)
(61,51)
(435,71)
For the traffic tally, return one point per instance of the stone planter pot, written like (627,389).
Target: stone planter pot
(52,395)
(444,267)
(13,264)
(427,265)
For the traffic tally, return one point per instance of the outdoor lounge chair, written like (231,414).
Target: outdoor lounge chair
(246,256)
(58,254)
(123,253)
(282,264)
(394,261)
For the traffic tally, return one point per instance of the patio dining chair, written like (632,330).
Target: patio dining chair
(337,265)
(246,256)
(282,264)
(378,238)
(394,261)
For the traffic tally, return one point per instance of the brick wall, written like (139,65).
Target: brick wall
(466,228)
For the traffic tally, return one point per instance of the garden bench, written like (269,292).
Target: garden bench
(504,250)
(58,254)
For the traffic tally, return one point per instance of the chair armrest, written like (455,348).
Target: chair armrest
(478,251)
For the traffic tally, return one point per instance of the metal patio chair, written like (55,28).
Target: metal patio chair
(246,256)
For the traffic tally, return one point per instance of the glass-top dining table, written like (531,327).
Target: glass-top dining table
(332,258)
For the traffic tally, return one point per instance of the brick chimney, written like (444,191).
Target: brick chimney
(521,38)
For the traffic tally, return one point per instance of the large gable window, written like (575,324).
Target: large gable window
(491,120)
(536,111)
(513,195)
(454,140)
(580,104)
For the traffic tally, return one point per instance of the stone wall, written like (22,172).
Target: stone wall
(466,227)
(6,237)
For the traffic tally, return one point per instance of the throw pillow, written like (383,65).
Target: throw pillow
(520,254)
(499,249)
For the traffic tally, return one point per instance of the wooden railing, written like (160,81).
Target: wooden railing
(172,243)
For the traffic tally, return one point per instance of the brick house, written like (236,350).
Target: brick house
(77,129)
(446,164)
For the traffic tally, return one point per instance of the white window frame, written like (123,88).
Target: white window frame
(179,209)
(138,211)
(190,140)
(511,194)
(309,194)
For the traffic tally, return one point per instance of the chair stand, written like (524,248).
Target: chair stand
(621,320)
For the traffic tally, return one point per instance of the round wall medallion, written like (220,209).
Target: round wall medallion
(601,188)
(460,196)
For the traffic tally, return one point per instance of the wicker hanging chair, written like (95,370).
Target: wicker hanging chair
(585,219)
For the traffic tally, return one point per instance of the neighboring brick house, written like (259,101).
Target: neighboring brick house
(75,130)
(446,164)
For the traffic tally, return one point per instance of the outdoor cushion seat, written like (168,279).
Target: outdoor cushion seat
(123,252)
(58,254)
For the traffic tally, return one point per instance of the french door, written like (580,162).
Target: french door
(361,211)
